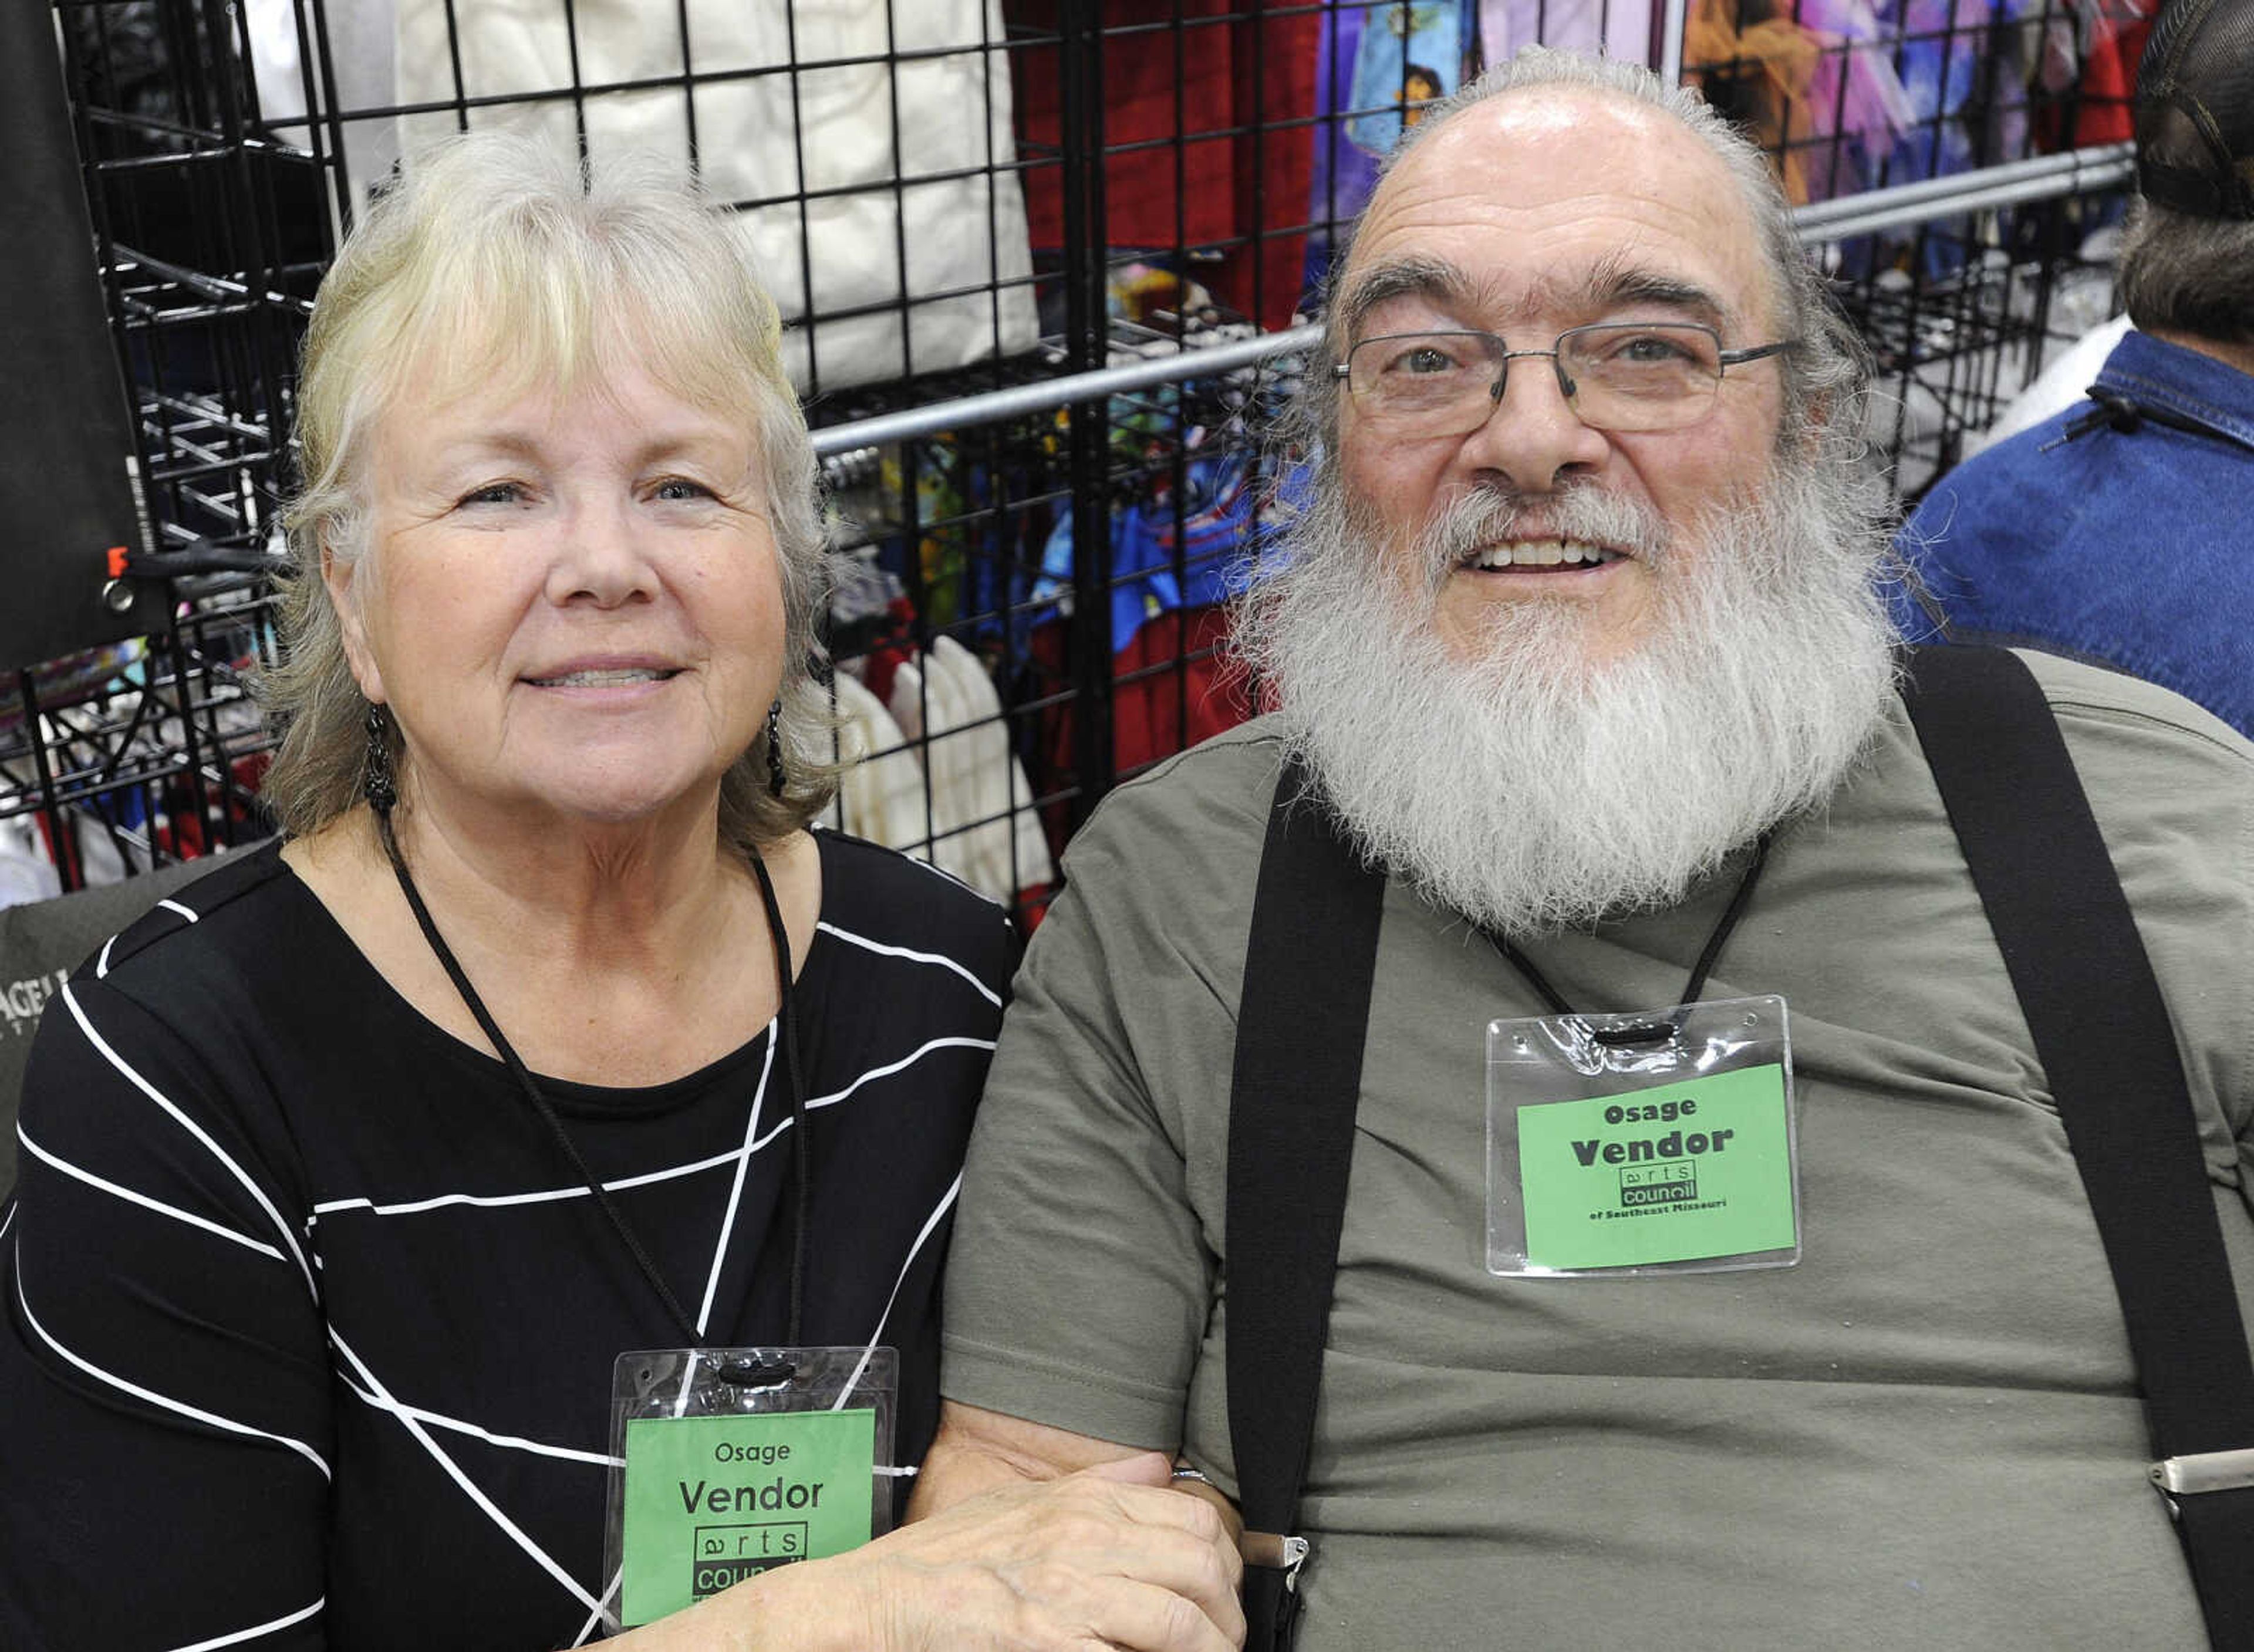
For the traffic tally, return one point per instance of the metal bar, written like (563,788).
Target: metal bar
(810,308)
(2076,173)
(993,406)
(1878,218)
(899,197)
(313,54)
(62,840)
(127,259)
(1087,277)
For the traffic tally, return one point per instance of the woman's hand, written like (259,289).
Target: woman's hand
(1108,1556)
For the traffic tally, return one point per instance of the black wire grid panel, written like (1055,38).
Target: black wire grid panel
(953,197)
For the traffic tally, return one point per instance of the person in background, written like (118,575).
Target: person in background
(548,1032)
(1579,644)
(2117,531)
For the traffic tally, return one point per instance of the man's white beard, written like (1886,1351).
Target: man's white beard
(1529,789)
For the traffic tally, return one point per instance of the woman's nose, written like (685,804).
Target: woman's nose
(602,557)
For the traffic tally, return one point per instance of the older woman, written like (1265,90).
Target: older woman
(548,1033)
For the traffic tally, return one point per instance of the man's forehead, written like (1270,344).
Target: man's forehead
(1629,202)
(1520,135)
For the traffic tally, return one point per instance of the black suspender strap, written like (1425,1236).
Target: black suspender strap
(1308,967)
(2101,1031)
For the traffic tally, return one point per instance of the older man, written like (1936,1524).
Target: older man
(2116,530)
(1579,645)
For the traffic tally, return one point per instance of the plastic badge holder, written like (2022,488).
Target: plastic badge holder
(1626,1146)
(729,1461)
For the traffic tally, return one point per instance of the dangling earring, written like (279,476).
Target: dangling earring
(778,777)
(376,782)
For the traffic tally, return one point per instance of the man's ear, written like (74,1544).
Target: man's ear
(345,582)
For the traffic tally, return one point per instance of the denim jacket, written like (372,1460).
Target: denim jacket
(2120,531)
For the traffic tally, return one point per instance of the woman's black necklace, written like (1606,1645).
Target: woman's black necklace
(787,1039)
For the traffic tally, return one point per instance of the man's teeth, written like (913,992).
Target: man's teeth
(602,679)
(1543,553)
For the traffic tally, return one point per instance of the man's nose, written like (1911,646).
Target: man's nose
(1533,440)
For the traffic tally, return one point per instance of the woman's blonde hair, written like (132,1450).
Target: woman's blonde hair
(498,263)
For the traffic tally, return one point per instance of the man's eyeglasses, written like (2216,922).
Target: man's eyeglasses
(1618,375)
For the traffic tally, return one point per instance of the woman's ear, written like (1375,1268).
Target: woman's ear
(345,581)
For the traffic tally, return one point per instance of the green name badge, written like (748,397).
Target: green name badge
(711,1501)
(1689,1171)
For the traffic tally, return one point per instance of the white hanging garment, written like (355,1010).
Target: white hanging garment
(927,704)
(881,797)
(926,701)
(984,781)
(26,875)
(906,704)
(899,228)
(360,39)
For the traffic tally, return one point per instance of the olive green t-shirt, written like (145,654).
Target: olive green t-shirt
(1926,1434)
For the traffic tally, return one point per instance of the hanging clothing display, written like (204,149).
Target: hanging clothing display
(981,820)
(1858,109)
(26,874)
(934,775)
(1403,57)
(896,154)
(1617,28)
(360,62)
(1174,685)
(2095,48)
(881,797)
(1250,81)
(1757,69)
(1172,680)
(1375,65)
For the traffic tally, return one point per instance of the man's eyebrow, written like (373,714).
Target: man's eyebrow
(1615,284)
(1618,284)
(1411,278)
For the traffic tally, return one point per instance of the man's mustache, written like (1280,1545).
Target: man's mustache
(1582,511)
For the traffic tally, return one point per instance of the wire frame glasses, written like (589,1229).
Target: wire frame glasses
(1617,375)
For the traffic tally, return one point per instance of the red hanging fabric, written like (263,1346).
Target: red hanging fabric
(1199,167)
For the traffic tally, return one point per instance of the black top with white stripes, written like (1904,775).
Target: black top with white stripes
(308,1325)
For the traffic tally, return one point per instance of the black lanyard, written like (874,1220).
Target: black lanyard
(1649,1031)
(787,1033)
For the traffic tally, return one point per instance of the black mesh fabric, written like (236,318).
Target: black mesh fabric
(2195,109)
